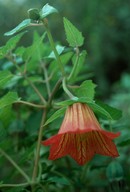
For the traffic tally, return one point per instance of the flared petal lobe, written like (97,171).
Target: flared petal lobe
(81,136)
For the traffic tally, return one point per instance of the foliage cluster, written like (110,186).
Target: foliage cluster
(32,80)
(105,26)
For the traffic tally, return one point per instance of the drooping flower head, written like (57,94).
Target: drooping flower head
(81,136)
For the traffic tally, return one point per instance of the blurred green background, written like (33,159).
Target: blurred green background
(104,24)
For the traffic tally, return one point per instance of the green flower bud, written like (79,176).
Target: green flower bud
(34,14)
(114,172)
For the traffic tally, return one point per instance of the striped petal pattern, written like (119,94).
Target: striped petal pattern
(81,136)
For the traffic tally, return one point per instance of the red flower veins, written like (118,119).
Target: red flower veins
(81,136)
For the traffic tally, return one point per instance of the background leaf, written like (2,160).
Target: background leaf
(105,110)
(114,171)
(55,179)
(3,133)
(6,115)
(115,113)
(126,142)
(8,99)
(5,77)
(10,45)
(99,110)
(57,114)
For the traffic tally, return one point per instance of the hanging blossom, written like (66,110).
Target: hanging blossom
(81,136)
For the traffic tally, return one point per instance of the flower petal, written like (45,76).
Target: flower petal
(80,149)
(104,145)
(81,136)
(110,134)
(51,140)
(60,147)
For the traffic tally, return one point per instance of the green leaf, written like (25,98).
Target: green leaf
(115,113)
(62,181)
(59,49)
(25,23)
(124,143)
(12,42)
(39,48)
(95,107)
(103,110)
(64,59)
(80,65)
(3,132)
(47,10)
(35,50)
(57,114)
(74,36)
(86,89)
(26,154)
(67,102)
(10,45)
(6,115)
(16,126)
(8,99)
(36,79)
(13,81)
(100,110)
(20,51)
(5,77)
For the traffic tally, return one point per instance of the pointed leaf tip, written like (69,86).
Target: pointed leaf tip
(74,36)
(25,23)
(57,114)
(114,112)
(47,10)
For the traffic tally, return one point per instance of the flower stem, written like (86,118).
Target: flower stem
(26,78)
(30,104)
(46,78)
(66,89)
(56,87)
(35,170)
(84,173)
(73,72)
(16,185)
(35,89)
(110,125)
(15,165)
(45,23)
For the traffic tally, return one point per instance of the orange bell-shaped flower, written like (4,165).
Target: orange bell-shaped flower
(81,136)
